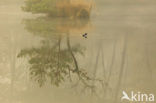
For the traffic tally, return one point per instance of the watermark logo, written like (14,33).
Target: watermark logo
(138,96)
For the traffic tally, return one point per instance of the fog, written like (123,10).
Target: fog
(119,53)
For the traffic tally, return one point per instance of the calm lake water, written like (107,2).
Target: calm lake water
(119,53)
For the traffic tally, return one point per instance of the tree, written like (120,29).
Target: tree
(61,8)
(40,6)
(52,61)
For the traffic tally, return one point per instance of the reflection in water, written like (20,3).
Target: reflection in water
(52,60)
(56,60)
(121,52)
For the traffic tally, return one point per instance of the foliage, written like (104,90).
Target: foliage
(52,27)
(47,62)
(50,61)
(59,8)
(39,6)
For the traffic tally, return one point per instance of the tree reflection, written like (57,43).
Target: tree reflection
(52,60)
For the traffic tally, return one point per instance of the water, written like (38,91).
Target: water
(118,53)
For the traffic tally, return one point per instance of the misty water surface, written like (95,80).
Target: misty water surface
(118,54)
